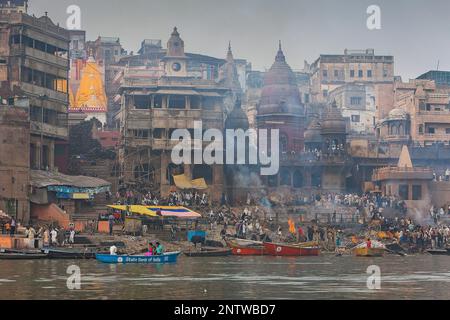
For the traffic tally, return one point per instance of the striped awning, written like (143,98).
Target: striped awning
(152,211)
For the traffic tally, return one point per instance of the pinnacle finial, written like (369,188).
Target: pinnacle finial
(280,55)
(229,53)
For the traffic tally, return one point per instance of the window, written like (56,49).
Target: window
(283,142)
(355,101)
(356,118)
(298,179)
(272,181)
(177,102)
(421,129)
(142,102)
(141,133)
(360,73)
(209,103)
(385,73)
(431,130)
(325,93)
(45,80)
(369,73)
(158,133)
(306,97)
(352,73)
(447,130)
(417,192)
(403,191)
(285,177)
(336,73)
(194,102)
(325,73)
(158,102)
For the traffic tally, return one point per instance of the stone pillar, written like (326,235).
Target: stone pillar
(51,154)
(39,155)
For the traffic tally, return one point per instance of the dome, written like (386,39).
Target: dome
(333,122)
(397,114)
(313,132)
(280,92)
(237,119)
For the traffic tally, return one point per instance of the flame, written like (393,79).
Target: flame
(291,226)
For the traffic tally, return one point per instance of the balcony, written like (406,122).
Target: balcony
(40,91)
(46,57)
(136,142)
(396,173)
(48,130)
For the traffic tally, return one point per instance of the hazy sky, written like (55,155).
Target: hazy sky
(416,32)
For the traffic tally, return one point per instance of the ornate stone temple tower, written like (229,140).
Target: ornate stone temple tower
(334,158)
(280,106)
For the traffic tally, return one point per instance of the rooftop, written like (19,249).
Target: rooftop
(43,179)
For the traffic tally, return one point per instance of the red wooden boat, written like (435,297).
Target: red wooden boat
(283,249)
(246,250)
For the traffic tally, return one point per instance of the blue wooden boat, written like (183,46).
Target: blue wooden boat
(169,257)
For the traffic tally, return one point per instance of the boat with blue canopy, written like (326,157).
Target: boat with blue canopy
(169,257)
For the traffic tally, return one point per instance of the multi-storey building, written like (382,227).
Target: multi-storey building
(331,71)
(34,63)
(440,77)
(14,158)
(357,104)
(153,106)
(8,6)
(421,114)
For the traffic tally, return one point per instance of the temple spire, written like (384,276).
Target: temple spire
(404,160)
(280,55)
(175,45)
(230,57)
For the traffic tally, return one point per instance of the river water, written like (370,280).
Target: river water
(323,277)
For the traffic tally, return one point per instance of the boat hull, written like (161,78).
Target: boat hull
(170,257)
(439,252)
(246,250)
(277,249)
(368,252)
(68,254)
(22,256)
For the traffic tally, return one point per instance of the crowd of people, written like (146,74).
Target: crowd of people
(51,236)
(175,198)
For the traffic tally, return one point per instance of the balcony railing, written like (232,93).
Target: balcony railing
(400,173)
(49,130)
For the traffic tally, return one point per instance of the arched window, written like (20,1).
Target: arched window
(283,142)
(395,130)
(285,177)
(298,179)
(316,180)
(272,181)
